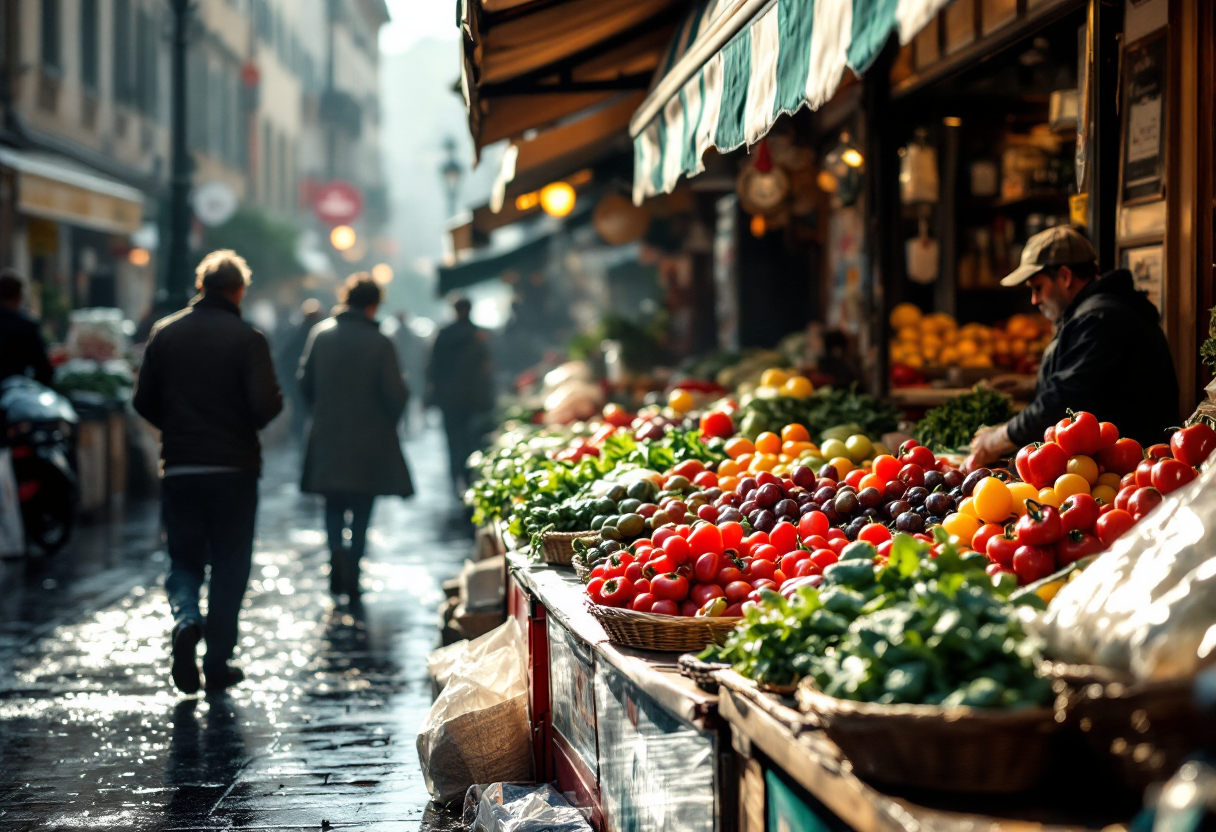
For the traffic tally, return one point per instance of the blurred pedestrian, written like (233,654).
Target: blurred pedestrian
(460,382)
(22,350)
(208,382)
(350,378)
(289,356)
(411,356)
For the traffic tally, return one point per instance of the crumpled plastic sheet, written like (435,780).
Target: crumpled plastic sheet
(1147,606)
(657,773)
(459,658)
(504,807)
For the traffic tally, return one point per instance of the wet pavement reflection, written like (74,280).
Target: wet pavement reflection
(320,735)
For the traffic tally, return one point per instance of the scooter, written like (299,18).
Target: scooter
(39,426)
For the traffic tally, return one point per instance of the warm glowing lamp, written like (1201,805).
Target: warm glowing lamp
(138,257)
(382,273)
(557,199)
(343,237)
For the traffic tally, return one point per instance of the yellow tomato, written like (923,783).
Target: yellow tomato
(1085,468)
(1069,484)
(728,468)
(962,526)
(745,461)
(795,432)
(681,401)
(762,462)
(768,443)
(774,378)
(1021,492)
(729,483)
(842,464)
(967,506)
(737,446)
(1048,497)
(797,387)
(993,502)
(1111,479)
(784,458)
(781,470)
(1048,591)
(1104,494)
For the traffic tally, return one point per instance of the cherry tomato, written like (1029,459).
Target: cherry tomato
(1076,545)
(617,592)
(1143,501)
(707,567)
(1040,526)
(1144,473)
(1193,445)
(705,538)
(760,569)
(1001,548)
(766,552)
(1113,525)
(1124,495)
(1079,512)
(716,424)
(737,591)
(701,593)
(643,602)
(732,534)
(886,467)
(669,587)
(1158,451)
(1030,563)
(920,456)
(1122,457)
(1171,474)
(912,475)
(1108,435)
(783,537)
(979,541)
(728,575)
(595,589)
(875,533)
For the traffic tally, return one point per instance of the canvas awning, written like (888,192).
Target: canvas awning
(735,66)
(55,188)
(529,64)
(527,257)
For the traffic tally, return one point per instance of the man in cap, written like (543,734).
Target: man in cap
(1109,355)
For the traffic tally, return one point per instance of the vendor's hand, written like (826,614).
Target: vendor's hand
(987,446)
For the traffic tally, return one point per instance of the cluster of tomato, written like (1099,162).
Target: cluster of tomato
(1082,488)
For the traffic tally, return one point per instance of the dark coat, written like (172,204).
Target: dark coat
(460,377)
(350,379)
(1110,358)
(207,381)
(22,348)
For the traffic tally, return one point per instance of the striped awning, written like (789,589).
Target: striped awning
(735,66)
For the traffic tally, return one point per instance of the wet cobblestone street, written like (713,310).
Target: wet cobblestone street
(321,733)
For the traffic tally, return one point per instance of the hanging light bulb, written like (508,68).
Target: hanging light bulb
(557,199)
(759,225)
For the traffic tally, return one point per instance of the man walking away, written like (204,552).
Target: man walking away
(208,383)
(289,356)
(460,383)
(22,351)
(351,380)
(411,356)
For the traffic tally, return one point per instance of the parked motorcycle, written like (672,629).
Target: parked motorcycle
(39,425)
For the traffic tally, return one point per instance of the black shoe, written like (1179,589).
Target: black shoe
(186,636)
(224,677)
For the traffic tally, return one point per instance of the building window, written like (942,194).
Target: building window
(89,47)
(124,89)
(51,58)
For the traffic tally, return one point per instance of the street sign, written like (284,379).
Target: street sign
(338,203)
(214,203)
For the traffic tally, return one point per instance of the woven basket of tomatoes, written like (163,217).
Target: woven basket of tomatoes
(663,633)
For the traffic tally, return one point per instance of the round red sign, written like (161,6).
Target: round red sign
(338,203)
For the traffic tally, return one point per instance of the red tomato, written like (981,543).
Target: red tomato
(912,475)
(979,541)
(759,584)
(737,591)
(732,534)
(688,609)
(689,468)
(823,558)
(1171,474)
(1144,473)
(595,588)
(634,571)
(1193,445)
(728,575)
(760,569)
(838,544)
(1112,525)
(1143,501)
(660,565)
(1075,546)
(1079,512)
(643,603)
(811,523)
(1049,435)
(853,478)
(677,549)
(1040,526)
(875,533)
(716,424)
(1122,457)
(684,531)
(598,570)
(1079,433)
(705,538)
(669,587)
(814,542)
(1108,435)
(783,537)
(836,534)
(617,416)
(765,552)
(706,479)
(995,569)
(1022,463)
(701,593)
(886,467)
(806,568)
(753,540)
(1158,451)
(665,607)
(707,567)
(1001,548)
(642,585)
(1030,563)
(1125,494)
(919,456)
(884,548)
(661,534)
(617,592)
(733,611)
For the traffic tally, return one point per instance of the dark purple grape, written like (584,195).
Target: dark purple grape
(731,499)
(764,521)
(846,487)
(939,503)
(897,508)
(933,480)
(846,502)
(767,495)
(953,479)
(746,486)
(829,471)
(803,476)
(805,498)
(787,509)
(932,520)
(727,515)
(869,497)
(916,495)
(973,479)
(807,508)
(825,494)
(894,490)
(829,510)
(852,531)
(676,510)
(747,507)
(871,513)
(713,493)
(909,523)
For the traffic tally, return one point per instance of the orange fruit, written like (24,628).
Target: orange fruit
(728,469)
(768,443)
(795,433)
(737,446)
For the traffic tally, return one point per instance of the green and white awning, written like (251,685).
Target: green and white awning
(735,66)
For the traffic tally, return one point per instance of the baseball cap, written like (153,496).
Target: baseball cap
(1058,246)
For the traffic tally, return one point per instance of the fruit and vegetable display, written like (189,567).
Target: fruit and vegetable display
(781,402)
(923,625)
(923,341)
(950,427)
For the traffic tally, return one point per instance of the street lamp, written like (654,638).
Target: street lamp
(176,268)
(452,173)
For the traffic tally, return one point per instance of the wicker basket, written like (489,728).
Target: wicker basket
(557,548)
(665,633)
(701,672)
(581,569)
(1146,728)
(925,746)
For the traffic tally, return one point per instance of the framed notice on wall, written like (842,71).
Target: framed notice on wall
(1146,265)
(1144,85)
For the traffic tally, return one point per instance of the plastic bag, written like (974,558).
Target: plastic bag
(503,807)
(12,530)
(478,731)
(463,656)
(1148,606)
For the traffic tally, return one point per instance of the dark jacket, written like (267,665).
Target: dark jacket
(1110,358)
(22,348)
(350,379)
(460,377)
(207,381)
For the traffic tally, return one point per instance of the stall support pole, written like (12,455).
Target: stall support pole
(882,198)
(1107,19)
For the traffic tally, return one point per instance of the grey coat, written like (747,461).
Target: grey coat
(351,382)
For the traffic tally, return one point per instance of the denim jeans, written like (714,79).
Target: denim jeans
(209,521)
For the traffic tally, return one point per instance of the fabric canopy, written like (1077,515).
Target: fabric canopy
(528,257)
(735,66)
(529,65)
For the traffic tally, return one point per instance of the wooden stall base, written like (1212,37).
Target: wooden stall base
(769,728)
(573,778)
